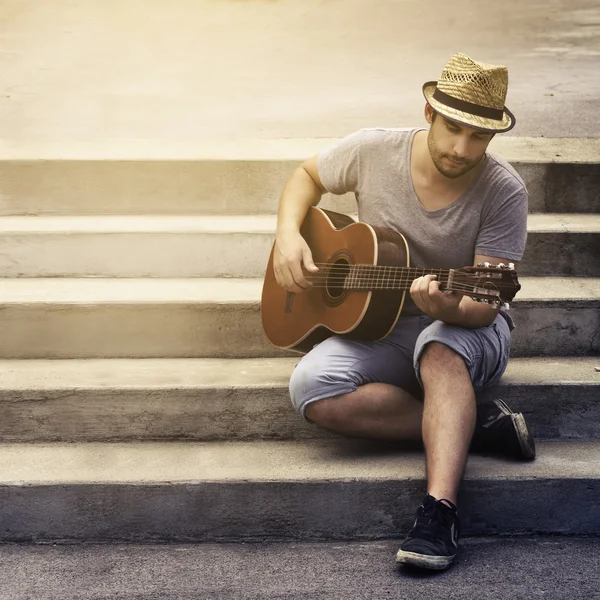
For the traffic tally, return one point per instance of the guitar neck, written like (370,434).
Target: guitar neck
(376,277)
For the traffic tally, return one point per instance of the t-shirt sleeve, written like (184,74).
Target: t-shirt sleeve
(503,234)
(339,165)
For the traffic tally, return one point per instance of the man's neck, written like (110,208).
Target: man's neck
(428,172)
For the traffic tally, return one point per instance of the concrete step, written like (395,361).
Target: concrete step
(328,489)
(243,176)
(562,244)
(195,318)
(136,246)
(240,399)
(230,246)
(515,567)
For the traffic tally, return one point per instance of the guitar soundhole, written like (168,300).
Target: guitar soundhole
(337,273)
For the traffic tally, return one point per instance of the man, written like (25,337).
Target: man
(457,205)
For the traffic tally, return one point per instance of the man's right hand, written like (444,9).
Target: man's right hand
(291,253)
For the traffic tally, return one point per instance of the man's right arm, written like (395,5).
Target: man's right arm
(303,190)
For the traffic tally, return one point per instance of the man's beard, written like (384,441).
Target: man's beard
(445,168)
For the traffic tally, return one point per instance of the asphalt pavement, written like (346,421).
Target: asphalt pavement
(552,568)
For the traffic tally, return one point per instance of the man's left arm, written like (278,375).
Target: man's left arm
(452,307)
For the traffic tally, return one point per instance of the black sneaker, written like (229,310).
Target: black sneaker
(498,429)
(433,541)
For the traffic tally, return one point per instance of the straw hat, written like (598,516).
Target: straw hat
(472,93)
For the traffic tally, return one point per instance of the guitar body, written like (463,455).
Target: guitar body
(299,321)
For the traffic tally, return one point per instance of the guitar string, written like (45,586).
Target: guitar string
(469,291)
(343,278)
(383,272)
(372,287)
(376,274)
(395,274)
(384,277)
(372,266)
(455,280)
(381,269)
(331,281)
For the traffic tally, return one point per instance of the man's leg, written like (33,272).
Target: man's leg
(374,410)
(448,424)
(452,362)
(363,389)
(448,418)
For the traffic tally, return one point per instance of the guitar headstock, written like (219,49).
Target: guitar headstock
(493,284)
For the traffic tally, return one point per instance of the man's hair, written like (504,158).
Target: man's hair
(435,114)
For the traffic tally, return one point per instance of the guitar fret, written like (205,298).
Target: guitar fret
(350,279)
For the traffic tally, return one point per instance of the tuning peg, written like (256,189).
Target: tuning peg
(511,266)
(506,306)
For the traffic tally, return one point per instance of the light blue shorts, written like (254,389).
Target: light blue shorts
(338,366)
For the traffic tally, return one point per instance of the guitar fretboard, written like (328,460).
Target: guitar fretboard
(376,277)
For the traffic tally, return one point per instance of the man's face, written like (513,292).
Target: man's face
(455,149)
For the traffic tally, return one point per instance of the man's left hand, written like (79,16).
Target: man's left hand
(425,291)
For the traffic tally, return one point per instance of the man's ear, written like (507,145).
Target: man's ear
(428,113)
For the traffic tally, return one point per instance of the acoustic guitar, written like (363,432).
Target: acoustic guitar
(359,290)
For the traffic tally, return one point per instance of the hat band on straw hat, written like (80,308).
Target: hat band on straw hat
(468,107)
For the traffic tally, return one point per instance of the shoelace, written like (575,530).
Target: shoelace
(432,517)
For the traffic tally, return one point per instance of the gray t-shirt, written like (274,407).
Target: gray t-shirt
(489,218)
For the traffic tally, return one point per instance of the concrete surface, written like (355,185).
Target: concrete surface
(553,568)
(229,291)
(146,89)
(206,224)
(28,376)
(557,151)
(189,69)
(267,461)
(235,491)
(220,318)
(240,399)
(562,175)
(228,246)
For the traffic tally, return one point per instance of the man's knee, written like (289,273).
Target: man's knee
(311,381)
(437,357)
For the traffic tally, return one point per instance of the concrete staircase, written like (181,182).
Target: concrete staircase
(139,399)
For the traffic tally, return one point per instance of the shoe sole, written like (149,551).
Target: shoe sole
(524,436)
(424,561)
